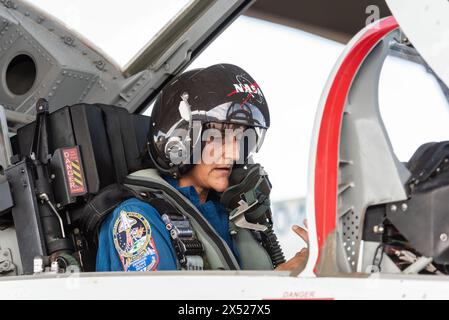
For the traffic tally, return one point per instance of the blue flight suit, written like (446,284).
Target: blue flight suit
(124,244)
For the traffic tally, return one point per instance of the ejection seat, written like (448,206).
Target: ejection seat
(89,147)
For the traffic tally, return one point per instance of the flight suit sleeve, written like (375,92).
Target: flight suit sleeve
(134,238)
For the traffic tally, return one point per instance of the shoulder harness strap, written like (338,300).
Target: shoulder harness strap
(100,206)
(189,250)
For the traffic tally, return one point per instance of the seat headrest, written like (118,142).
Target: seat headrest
(111,140)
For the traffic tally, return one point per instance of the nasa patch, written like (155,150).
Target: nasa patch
(134,242)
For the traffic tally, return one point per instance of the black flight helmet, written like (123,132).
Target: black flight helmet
(220,94)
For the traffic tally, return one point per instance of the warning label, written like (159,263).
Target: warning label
(74,171)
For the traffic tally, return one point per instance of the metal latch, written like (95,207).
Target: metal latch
(238,217)
(6,263)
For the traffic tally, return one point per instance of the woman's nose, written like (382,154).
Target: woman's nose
(232,151)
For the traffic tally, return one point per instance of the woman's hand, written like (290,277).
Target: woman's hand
(298,262)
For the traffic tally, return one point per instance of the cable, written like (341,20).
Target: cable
(379,262)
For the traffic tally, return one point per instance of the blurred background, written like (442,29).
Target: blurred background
(289,47)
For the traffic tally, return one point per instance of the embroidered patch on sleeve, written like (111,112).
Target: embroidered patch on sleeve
(134,242)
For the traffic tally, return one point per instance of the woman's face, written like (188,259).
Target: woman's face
(219,153)
(214,171)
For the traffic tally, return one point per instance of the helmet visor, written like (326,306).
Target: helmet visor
(231,112)
(239,142)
